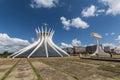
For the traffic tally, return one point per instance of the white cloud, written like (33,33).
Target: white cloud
(109,34)
(43,3)
(90,11)
(75,22)
(66,23)
(65,45)
(78,23)
(118,38)
(113,6)
(112,33)
(75,42)
(11,44)
(100,10)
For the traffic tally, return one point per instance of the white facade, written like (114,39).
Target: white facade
(43,47)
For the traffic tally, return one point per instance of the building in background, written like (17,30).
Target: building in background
(79,49)
(69,50)
(90,49)
(107,49)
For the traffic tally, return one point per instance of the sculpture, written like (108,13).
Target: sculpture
(99,51)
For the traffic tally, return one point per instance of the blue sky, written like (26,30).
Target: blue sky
(73,21)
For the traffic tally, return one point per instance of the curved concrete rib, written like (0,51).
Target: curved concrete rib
(54,48)
(18,52)
(21,50)
(32,45)
(24,49)
(35,48)
(42,39)
(57,46)
(28,48)
(37,33)
(45,43)
(50,44)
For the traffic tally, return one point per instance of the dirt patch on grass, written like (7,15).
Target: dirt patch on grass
(56,68)
(96,77)
(80,69)
(22,71)
(49,73)
(5,65)
(6,61)
(4,68)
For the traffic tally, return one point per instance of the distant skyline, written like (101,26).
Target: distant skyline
(73,22)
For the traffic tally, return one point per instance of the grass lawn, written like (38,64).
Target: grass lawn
(66,68)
